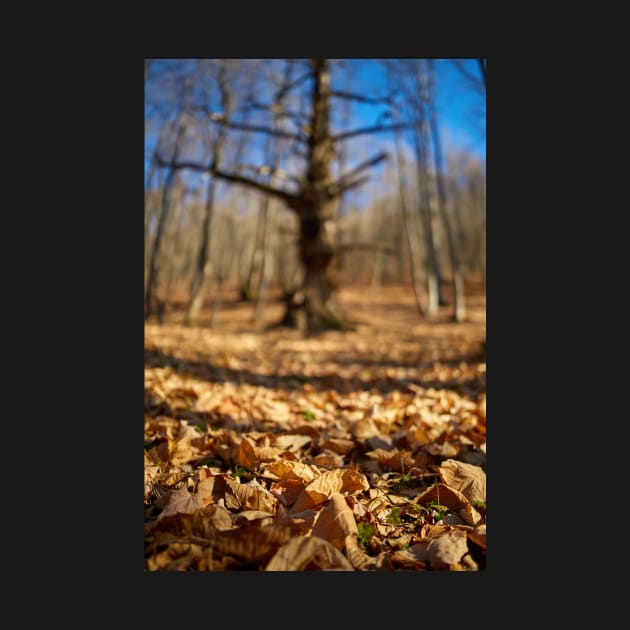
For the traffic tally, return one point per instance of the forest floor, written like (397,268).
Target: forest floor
(268,449)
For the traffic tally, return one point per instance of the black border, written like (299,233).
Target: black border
(107,172)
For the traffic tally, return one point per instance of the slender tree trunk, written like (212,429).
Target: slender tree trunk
(414,259)
(170,262)
(151,302)
(458,276)
(226,234)
(152,280)
(203,266)
(428,221)
(255,260)
(265,264)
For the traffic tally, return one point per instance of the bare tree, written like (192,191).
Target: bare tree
(314,196)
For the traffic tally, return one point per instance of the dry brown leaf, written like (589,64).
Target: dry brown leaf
(292,443)
(395,460)
(287,491)
(444,449)
(177,557)
(418,435)
(447,549)
(328,459)
(312,553)
(211,489)
(203,523)
(251,456)
(406,559)
(338,445)
(322,488)
(285,469)
(239,496)
(364,429)
(261,518)
(478,535)
(470,480)
(162,426)
(335,521)
(250,542)
(453,499)
(181,501)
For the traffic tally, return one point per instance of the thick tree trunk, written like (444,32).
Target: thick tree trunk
(316,209)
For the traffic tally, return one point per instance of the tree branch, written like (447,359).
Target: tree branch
(375,129)
(361,99)
(467,75)
(285,89)
(280,111)
(221,119)
(287,197)
(278,133)
(341,188)
(339,184)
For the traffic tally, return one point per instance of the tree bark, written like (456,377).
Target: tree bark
(316,209)
(458,276)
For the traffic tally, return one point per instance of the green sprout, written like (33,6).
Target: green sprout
(309,415)
(239,471)
(393,518)
(202,427)
(365,532)
(401,483)
(481,505)
(440,510)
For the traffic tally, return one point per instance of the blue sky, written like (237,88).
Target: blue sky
(461,110)
(459,107)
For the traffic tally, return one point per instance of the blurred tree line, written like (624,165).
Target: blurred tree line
(254,172)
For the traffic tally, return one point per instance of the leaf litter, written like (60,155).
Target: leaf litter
(269,450)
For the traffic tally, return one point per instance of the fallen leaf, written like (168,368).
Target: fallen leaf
(181,501)
(469,479)
(304,554)
(335,521)
(447,549)
(332,481)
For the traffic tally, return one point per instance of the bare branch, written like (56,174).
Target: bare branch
(482,65)
(341,188)
(375,129)
(360,98)
(279,111)
(287,88)
(222,119)
(256,128)
(266,170)
(287,197)
(467,75)
(339,184)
